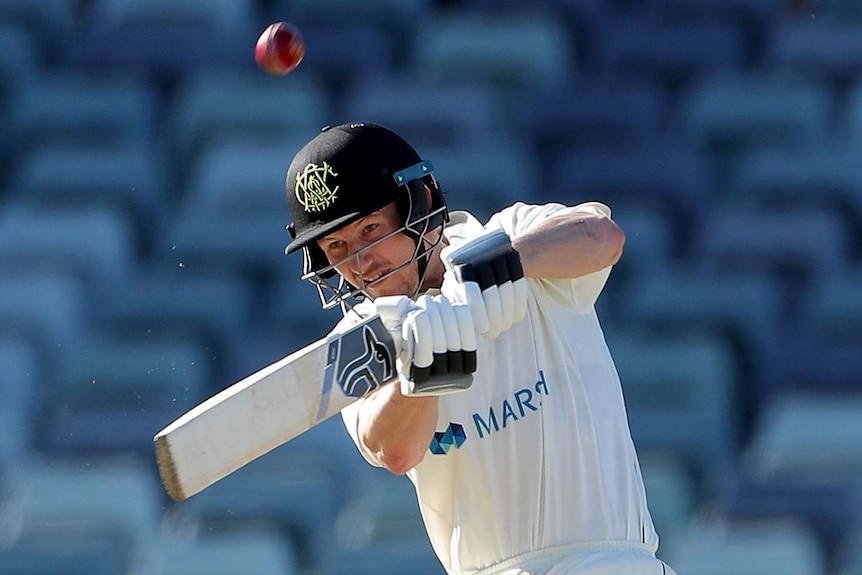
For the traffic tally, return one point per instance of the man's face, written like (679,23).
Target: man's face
(361,266)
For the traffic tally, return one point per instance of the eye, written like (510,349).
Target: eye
(334,245)
(370,228)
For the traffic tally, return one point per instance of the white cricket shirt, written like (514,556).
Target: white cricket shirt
(537,454)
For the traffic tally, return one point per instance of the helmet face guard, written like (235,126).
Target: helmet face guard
(334,290)
(345,174)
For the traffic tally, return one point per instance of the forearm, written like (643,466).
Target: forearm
(397,430)
(569,246)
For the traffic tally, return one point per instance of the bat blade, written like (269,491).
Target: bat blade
(272,406)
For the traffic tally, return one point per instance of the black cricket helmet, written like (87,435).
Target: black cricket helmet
(346,173)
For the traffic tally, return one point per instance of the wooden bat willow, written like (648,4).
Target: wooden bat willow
(272,406)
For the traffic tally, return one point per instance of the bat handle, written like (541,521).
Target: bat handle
(435,385)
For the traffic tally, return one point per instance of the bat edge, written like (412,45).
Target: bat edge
(168,470)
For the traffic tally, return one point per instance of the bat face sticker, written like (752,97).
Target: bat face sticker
(373,363)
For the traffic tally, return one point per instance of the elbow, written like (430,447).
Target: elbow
(400,461)
(616,241)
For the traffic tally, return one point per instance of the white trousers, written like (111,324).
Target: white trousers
(599,558)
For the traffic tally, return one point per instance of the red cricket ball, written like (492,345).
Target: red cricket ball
(279,49)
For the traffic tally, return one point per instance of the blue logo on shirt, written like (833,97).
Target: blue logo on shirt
(522,403)
(444,440)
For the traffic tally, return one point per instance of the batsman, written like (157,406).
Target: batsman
(508,414)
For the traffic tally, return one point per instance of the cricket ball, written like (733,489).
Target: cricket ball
(279,49)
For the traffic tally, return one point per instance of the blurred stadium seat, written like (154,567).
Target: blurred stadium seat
(113,393)
(423,114)
(673,495)
(129,176)
(743,110)
(808,436)
(47,308)
(221,104)
(382,517)
(19,388)
(98,243)
(297,491)
(258,551)
(164,37)
(770,240)
(759,10)
(829,507)
(485,175)
(240,177)
(651,241)
(686,381)
(661,174)
(833,309)
(343,53)
(672,53)
(19,63)
(49,23)
(246,243)
(162,300)
(819,48)
(76,518)
(475,48)
(757,548)
(744,307)
(593,116)
(810,177)
(71,108)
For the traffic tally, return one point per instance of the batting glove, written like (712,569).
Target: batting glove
(486,275)
(436,343)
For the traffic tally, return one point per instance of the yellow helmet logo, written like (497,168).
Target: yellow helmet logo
(312,190)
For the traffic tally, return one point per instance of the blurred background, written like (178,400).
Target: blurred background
(142,162)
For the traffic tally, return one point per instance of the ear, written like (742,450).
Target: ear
(428,201)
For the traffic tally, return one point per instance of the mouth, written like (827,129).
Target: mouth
(369,280)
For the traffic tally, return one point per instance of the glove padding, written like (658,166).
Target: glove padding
(486,275)
(436,343)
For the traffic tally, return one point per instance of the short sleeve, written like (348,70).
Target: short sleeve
(582,292)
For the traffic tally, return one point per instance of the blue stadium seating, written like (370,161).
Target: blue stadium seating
(424,114)
(219,104)
(746,307)
(69,107)
(828,506)
(809,177)
(661,173)
(465,48)
(76,517)
(98,243)
(820,48)
(258,551)
(758,548)
(299,492)
(142,163)
(19,388)
(672,53)
(165,38)
(672,494)
(485,175)
(743,110)
(664,394)
(595,116)
(130,176)
(808,435)
(46,307)
(740,238)
(113,393)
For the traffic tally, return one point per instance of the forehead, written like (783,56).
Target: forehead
(388,213)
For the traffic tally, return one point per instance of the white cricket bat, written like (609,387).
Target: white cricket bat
(272,406)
